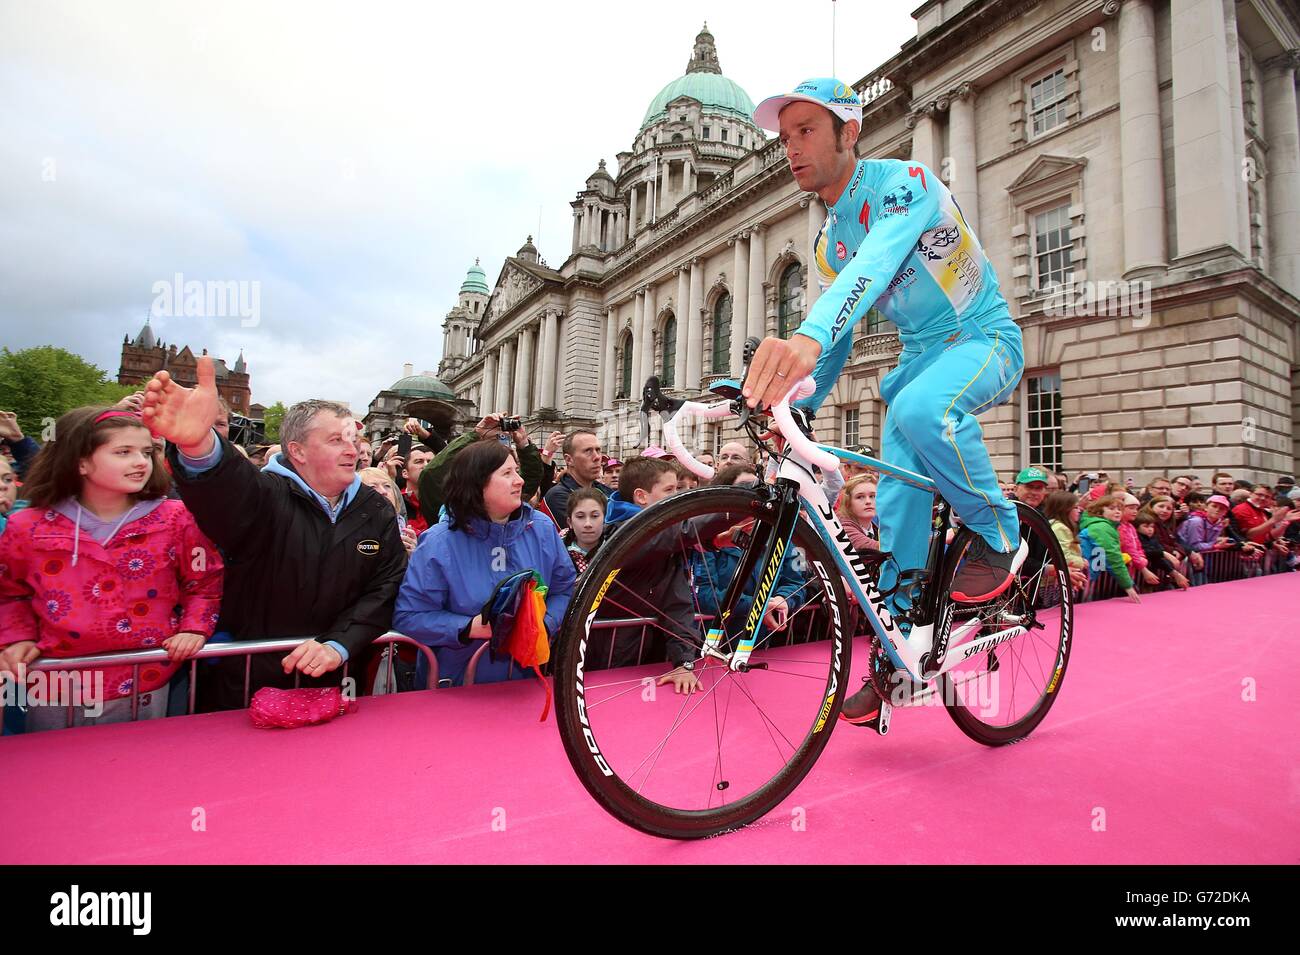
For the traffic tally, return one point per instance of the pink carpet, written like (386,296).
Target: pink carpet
(1151,736)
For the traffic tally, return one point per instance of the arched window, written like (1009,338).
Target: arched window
(722,335)
(626,390)
(790,311)
(666,378)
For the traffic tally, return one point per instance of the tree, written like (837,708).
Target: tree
(271,419)
(44,382)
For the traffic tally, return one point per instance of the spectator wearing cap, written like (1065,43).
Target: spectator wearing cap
(1285,485)
(1203,532)
(610,470)
(1031,486)
(582,467)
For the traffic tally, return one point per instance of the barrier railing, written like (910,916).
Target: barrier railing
(245,648)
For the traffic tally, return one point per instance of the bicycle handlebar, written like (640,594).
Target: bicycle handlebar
(784,422)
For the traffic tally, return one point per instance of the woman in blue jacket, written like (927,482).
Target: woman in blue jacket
(486,535)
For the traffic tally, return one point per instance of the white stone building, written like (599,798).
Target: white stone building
(1132,170)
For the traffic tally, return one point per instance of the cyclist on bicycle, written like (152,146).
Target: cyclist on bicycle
(895,238)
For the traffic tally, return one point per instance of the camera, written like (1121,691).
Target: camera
(511,424)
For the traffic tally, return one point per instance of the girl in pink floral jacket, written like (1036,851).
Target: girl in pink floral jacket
(102,560)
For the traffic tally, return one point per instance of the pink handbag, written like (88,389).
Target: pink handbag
(272,708)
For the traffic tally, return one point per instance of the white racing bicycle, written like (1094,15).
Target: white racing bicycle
(689,766)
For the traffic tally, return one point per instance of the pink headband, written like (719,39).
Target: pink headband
(117,413)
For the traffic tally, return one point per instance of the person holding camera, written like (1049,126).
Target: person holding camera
(498,427)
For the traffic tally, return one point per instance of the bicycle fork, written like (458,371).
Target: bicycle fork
(767,549)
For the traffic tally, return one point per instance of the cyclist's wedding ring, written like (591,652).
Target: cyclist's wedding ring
(780,374)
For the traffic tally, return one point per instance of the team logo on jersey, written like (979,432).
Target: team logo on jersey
(841,251)
(864,215)
(896,203)
(936,239)
(857,180)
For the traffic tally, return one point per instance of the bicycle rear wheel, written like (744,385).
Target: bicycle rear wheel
(689,766)
(998,696)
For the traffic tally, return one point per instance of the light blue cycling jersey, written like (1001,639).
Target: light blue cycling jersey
(896,239)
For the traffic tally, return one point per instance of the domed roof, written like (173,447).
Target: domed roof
(703,81)
(475,281)
(423,386)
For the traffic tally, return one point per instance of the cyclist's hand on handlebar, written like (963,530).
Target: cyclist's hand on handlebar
(777,366)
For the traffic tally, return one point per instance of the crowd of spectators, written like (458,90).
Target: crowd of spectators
(143,526)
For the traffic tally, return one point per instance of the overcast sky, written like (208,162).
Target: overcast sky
(351,158)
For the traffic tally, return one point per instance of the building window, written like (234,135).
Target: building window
(705,132)
(667,376)
(1042,425)
(876,324)
(1047,99)
(790,311)
(724,135)
(1052,248)
(722,335)
(850,428)
(626,390)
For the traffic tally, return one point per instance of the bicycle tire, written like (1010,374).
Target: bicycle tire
(1053,556)
(582,739)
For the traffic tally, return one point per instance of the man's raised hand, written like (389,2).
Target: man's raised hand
(184,416)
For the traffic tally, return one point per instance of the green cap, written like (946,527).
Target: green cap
(1029,475)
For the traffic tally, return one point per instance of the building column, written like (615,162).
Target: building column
(609,367)
(638,341)
(649,312)
(1204,163)
(1141,159)
(650,199)
(757,327)
(488,389)
(961,145)
(695,340)
(816,217)
(739,302)
(550,358)
(1283,193)
(523,373)
(631,211)
(1237,112)
(921,122)
(505,364)
(683,315)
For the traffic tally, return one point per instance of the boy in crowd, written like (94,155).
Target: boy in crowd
(658,584)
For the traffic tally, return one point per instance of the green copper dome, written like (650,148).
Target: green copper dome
(423,386)
(475,281)
(703,81)
(714,91)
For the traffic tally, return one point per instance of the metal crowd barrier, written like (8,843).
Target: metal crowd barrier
(245,648)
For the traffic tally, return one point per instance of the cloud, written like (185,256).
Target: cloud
(352,159)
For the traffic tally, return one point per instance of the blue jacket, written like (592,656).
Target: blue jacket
(714,570)
(452,573)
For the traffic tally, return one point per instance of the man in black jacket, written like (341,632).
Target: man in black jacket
(309,550)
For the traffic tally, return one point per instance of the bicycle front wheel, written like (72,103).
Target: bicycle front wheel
(689,766)
(998,696)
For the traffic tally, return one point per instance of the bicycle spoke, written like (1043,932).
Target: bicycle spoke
(766,719)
